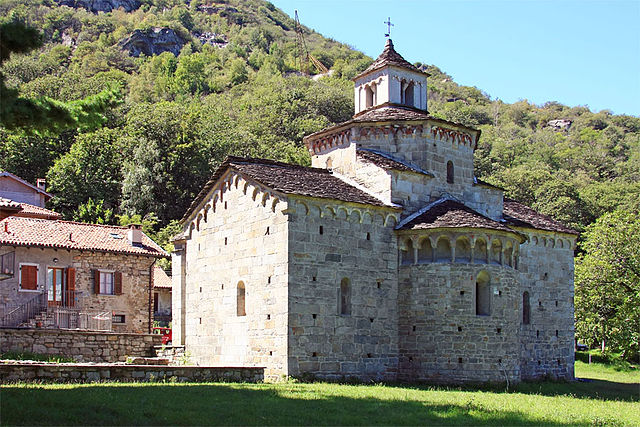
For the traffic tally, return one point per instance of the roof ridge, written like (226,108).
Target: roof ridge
(25,182)
(396,159)
(270,162)
(70,222)
(423,210)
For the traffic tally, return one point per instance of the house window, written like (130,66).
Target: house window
(55,283)
(483,294)
(117,318)
(28,277)
(155,302)
(450,172)
(344,298)
(107,282)
(241,300)
(7,261)
(526,309)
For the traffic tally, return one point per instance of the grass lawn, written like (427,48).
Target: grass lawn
(610,397)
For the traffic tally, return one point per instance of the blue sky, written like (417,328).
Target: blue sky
(574,52)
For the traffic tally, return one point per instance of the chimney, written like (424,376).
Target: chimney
(41,183)
(135,234)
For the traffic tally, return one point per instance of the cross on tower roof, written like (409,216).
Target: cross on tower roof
(389,25)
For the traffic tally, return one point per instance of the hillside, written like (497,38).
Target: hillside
(200,80)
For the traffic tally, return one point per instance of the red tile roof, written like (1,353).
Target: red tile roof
(33,211)
(452,214)
(389,56)
(289,179)
(8,204)
(20,231)
(519,215)
(160,278)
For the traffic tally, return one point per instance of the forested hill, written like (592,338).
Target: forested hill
(200,80)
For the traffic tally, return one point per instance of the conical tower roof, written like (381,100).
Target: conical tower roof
(389,56)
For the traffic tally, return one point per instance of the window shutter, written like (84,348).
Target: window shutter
(71,287)
(29,275)
(96,281)
(117,283)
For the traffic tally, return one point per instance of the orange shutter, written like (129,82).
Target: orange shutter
(96,281)
(117,283)
(71,287)
(29,275)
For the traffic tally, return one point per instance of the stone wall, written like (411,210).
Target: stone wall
(357,243)
(133,303)
(82,346)
(427,151)
(21,372)
(442,339)
(240,235)
(546,273)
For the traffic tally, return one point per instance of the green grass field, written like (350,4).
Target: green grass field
(610,397)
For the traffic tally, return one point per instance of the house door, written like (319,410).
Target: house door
(55,284)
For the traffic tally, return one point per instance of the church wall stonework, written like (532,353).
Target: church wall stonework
(430,154)
(243,240)
(323,342)
(441,337)
(546,273)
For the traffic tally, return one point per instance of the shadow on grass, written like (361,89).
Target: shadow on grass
(207,404)
(583,389)
(587,389)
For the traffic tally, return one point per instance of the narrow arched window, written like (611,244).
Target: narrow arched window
(344,297)
(526,309)
(408,95)
(241,300)
(450,172)
(370,97)
(483,294)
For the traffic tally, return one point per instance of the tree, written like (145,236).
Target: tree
(607,297)
(44,115)
(94,212)
(91,169)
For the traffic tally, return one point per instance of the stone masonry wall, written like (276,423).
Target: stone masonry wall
(134,302)
(429,153)
(17,372)
(546,273)
(441,337)
(357,243)
(242,237)
(82,346)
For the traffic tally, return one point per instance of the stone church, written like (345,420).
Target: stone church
(386,260)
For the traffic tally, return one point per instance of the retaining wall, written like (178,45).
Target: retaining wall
(82,346)
(18,372)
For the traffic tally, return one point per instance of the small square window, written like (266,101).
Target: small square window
(118,318)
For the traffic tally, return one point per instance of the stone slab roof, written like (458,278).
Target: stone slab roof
(46,233)
(160,278)
(447,213)
(387,161)
(289,179)
(519,215)
(388,57)
(389,112)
